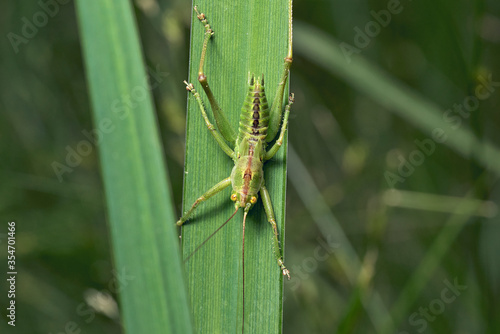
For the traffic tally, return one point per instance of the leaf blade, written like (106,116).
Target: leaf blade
(245,40)
(136,185)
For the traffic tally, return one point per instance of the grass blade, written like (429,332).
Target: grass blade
(153,298)
(330,227)
(393,95)
(429,264)
(251,37)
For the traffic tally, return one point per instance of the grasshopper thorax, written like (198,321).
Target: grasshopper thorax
(246,179)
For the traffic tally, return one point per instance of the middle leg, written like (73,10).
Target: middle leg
(222,144)
(274,149)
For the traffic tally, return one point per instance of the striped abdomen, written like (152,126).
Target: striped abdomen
(254,118)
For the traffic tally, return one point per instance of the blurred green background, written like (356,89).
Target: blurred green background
(390,228)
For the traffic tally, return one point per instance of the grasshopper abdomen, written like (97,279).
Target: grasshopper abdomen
(254,117)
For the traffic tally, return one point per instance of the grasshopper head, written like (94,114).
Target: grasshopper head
(242,200)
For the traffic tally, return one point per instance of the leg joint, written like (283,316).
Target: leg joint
(189,86)
(202,78)
(199,200)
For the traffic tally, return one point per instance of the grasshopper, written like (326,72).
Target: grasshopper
(259,124)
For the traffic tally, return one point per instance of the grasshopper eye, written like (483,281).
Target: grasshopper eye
(234,197)
(253,200)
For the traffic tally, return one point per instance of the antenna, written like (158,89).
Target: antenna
(243,274)
(211,235)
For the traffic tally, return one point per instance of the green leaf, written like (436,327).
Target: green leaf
(145,245)
(250,36)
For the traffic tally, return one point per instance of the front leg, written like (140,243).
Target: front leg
(268,207)
(211,192)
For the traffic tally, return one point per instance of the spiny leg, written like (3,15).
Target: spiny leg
(268,206)
(274,149)
(223,145)
(276,107)
(212,191)
(220,118)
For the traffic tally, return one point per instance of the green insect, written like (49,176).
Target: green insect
(259,124)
